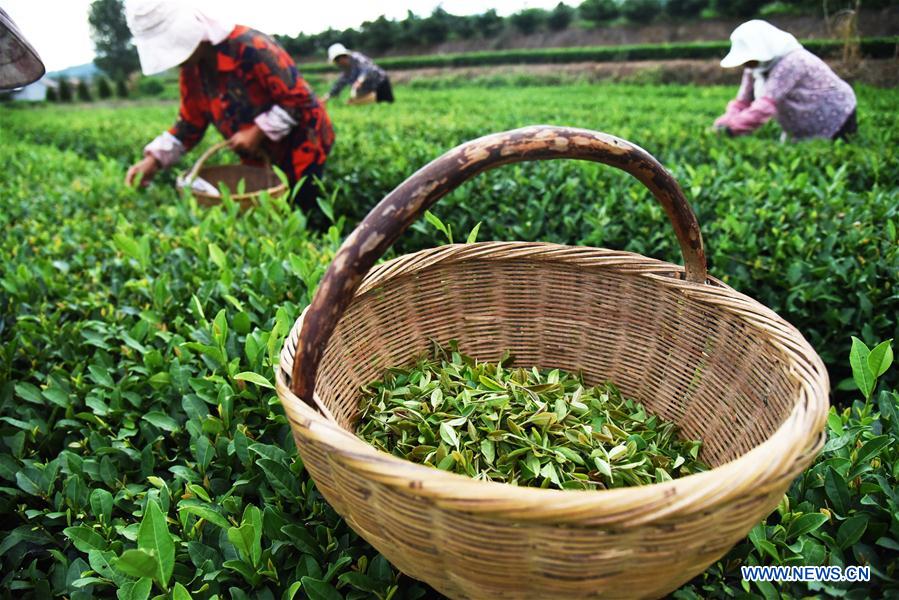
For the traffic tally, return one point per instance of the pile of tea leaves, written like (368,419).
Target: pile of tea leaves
(524,427)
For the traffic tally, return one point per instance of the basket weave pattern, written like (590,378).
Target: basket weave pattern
(721,365)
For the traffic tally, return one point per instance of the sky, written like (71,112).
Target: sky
(59,31)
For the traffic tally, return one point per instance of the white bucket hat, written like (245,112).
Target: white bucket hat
(335,50)
(758,40)
(167,32)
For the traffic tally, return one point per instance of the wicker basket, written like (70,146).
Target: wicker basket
(724,367)
(257,180)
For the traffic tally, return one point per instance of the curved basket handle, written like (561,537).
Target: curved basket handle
(192,174)
(401,207)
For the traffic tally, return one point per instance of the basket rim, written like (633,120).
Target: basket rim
(771,464)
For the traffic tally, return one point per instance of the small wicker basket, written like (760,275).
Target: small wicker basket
(728,370)
(257,180)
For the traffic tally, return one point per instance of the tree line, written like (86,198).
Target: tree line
(413,31)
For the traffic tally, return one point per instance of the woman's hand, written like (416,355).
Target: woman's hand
(721,130)
(145,167)
(247,140)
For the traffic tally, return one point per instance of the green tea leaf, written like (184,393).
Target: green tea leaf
(319,590)
(837,491)
(242,538)
(880,358)
(85,539)
(280,478)
(872,448)
(448,435)
(161,420)
(29,393)
(179,592)
(805,524)
(101,504)
(217,256)
(473,236)
(204,512)
(154,538)
(138,563)
(861,371)
(30,481)
(254,378)
(851,531)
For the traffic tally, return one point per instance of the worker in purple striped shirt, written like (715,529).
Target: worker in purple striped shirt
(783,80)
(369,82)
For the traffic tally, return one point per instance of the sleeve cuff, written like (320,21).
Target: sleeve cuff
(734,108)
(166,148)
(760,112)
(275,123)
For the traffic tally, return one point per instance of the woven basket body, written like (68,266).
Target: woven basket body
(256,180)
(725,368)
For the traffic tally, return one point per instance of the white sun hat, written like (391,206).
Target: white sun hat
(167,32)
(758,40)
(335,50)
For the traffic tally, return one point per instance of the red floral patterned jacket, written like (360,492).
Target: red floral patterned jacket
(254,74)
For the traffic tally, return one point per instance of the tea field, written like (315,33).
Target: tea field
(143,452)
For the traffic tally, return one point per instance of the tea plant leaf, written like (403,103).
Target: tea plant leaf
(281,479)
(254,378)
(85,538)
(837,491)
(102,563)
(291,592)
(138,563)
(880,358)
(362,582)
(179,592)
(326,207)
(29,393)
(154,538)
(851,531)
(204,512)
(242,538)
(448,434)
(204,452)
(439,225)
(834,422)
(319,590)
(861,371)
(161,420)
(473,235)
(139,590)
(805,524)
(217,256)
(872,448)
(29,481)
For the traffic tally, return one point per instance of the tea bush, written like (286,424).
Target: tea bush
(135,334)
(138,332)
